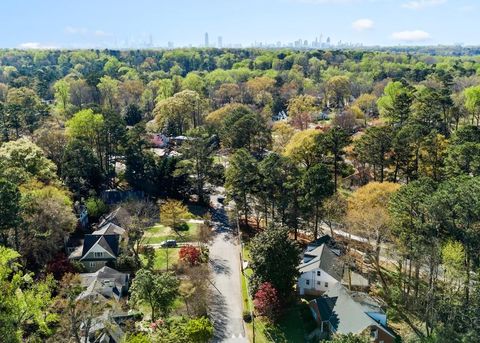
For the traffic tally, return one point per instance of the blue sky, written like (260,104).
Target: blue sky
(110,23)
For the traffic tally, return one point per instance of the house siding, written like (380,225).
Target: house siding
(316,284)
(384,337)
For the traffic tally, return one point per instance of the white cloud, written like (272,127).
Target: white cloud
(411,36)
(76,30)
(36,45)
(421,4)
(362,24)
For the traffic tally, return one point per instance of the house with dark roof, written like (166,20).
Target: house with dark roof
(322,268)
(339,311)
(97,251)
(107,282)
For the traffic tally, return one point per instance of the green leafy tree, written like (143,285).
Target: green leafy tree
(25,303)
(374,149)
(81,170)
(396,102)
(22,161)
(197,159)
(463,152)
(472,103)
(300,110)
(334,143)
(338,90)
(268,250)
(158,291)
(47,216)
(172,213)
(62,95)
(199,330)
(248,130)
(241,179)
(88,127)
(179,113)
(317,186)
(9,208)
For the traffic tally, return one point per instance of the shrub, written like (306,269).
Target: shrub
(96,208)
(190,254)
(247,316)
(266,301)
(199,330)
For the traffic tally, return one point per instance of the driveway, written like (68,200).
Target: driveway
(225,306)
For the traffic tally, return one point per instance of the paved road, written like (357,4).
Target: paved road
(226,298)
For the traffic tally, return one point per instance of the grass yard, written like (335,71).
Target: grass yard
(159,233)
(164,257)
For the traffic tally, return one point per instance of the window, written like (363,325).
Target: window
(307,282)
(318,272)
(93,264)
(98,254)
(373,333)
(326,284)
(319,283)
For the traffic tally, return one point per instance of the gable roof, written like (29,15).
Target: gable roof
(325,259)
(110,218)
(325,239)
(345,314)
(109,243)
(109,229)
(106,281)
(105,273)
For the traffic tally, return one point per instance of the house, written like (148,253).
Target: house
(108,327)
(112,217)
(342,312)
(322,268)
(159,140)
(97,251)
(325,239)
(112,229)
(106,282)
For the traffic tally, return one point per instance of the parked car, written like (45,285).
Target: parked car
(170,243)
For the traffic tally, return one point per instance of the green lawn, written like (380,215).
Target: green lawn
(160,233)
(161,258)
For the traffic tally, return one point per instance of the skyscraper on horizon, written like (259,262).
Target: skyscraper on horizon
(220,42)
(206,39)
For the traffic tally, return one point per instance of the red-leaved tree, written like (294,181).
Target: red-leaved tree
(266,301)
(59,266)
(190,254)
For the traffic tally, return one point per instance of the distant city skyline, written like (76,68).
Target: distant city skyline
(237,23)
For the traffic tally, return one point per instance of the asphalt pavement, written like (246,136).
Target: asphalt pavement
(226,305)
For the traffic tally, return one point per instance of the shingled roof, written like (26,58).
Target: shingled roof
(108,242)
(347,313)
(109,229)
(324,258)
